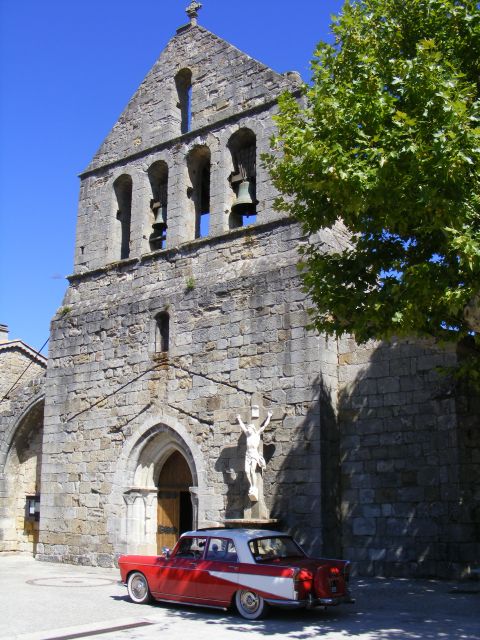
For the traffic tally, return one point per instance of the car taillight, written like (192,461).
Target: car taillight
(304,575)
(303,582)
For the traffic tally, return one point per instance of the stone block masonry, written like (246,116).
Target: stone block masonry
(237,333)
(408,506)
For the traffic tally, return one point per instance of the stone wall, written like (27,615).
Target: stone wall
(237,331)
(225,82)
(97,231)
(464,530)
(230,92)
(403,502)
(13,364)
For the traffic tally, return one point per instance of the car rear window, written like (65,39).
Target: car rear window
(274,548)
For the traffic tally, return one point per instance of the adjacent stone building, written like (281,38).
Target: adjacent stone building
(22,372)
(185,309)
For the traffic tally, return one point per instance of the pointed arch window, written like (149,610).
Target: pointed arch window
(123,187)
(243,179)
(158,177)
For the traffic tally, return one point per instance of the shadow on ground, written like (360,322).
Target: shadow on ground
(385,610)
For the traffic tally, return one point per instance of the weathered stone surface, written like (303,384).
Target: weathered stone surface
(419,477)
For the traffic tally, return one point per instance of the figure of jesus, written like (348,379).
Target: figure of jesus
(253,457)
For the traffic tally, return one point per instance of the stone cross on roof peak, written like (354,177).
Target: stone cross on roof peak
(192,11)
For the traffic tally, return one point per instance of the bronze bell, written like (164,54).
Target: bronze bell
(158,235)
(244,203)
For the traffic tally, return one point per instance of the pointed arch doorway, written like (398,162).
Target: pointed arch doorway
(20,482)
(162,473)
(174,502)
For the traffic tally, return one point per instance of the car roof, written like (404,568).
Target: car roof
(244,533)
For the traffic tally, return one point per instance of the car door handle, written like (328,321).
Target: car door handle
(233,567)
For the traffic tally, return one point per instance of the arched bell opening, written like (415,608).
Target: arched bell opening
(199,167)
(243,179)
(123,189)
(158,178)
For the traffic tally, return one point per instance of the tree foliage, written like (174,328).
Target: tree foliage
(387,139)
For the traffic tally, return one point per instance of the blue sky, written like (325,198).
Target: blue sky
(67,70)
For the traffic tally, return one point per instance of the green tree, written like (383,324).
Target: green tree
(386,139)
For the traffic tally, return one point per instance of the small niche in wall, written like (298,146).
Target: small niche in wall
(162,332)
(32,508)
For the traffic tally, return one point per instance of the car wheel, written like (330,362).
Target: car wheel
(250,605)
(137,586)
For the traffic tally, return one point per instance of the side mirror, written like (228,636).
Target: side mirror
(166,552)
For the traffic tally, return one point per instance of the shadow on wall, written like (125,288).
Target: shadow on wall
(409,442)
(392,481)
(306,494)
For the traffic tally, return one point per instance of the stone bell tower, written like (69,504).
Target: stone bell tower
(184,305)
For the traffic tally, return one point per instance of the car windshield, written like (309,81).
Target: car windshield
(274,548)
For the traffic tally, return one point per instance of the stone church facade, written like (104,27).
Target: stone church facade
(185,309)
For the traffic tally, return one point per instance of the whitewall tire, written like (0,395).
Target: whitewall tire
(250,605)
(138,589)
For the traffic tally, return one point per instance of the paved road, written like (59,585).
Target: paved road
(42,601)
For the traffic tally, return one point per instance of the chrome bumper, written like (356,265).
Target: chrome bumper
(312,602)
(318,602)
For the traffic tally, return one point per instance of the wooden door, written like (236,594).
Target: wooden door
(174,511)
(168,519)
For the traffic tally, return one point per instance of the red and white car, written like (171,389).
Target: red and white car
(249,568)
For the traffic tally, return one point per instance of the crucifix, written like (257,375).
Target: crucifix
(253,455)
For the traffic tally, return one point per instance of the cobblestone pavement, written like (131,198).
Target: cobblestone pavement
(42,601)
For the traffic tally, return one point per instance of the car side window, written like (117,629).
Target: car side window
(222,549)
(190,548)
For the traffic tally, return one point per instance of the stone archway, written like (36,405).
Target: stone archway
(154,461)
(21,484)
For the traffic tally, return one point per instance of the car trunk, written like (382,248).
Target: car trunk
(320,578)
